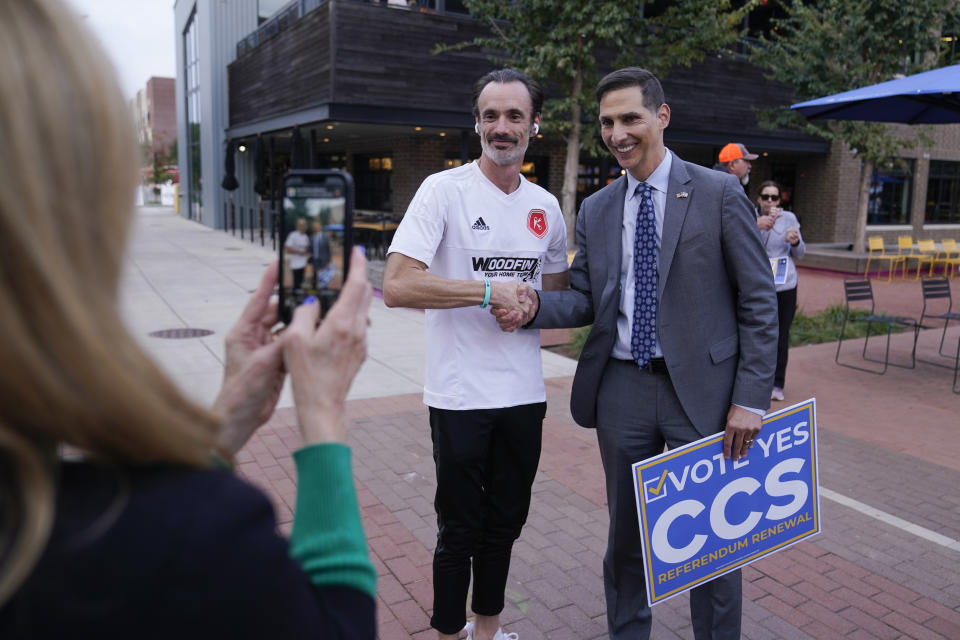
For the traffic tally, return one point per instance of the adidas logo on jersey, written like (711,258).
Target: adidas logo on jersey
(480,225)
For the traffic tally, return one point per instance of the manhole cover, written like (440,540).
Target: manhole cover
(232,249)
(179,334)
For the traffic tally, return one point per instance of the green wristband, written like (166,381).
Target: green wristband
(486,294)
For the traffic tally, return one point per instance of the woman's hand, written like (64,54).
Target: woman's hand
(323,360)
(253,372)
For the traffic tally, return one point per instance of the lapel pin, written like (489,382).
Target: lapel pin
(682,194)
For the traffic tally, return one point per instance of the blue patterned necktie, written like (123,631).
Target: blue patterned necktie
(643,336)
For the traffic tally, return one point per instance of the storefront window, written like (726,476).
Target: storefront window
(891,190)
(536,169)
(192,92)
(371,175)
(595,174)
(943,192)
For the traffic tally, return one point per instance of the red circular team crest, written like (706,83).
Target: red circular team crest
(537,222)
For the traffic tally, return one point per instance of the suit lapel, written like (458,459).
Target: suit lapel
(613,227)
(674,214)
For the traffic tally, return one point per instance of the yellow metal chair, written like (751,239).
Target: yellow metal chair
(906,251)
(927,253)
(877,252)
(950,256)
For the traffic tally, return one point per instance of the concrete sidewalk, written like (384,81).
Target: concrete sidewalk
(887,564)
(183,275)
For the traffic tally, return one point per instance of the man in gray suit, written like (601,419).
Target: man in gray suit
(671,272)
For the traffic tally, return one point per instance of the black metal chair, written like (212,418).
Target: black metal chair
(938,288)
(956,369)
(860,290)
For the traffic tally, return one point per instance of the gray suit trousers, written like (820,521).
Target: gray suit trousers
(637,413)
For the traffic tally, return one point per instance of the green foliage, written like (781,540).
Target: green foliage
(825,326)
(832,46)
(558,42)
(821,327)
(578,337)
(172,152)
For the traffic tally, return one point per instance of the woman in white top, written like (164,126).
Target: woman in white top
(780,233)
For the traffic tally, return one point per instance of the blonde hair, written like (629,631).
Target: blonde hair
(71,371)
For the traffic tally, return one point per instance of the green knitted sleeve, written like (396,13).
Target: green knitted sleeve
(327,538)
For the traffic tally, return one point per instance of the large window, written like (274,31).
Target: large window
(943,192)
(890,194)
(536,169)
(266,9)
(192,92)
(594,174)
(371,175)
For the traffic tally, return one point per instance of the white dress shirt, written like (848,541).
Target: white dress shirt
(658,181)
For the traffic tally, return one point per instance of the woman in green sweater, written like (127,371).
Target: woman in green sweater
(137,533)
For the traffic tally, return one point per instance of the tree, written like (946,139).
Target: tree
(832,46)
(558,42)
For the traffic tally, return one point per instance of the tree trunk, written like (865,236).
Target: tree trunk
(568,201)
(860,239)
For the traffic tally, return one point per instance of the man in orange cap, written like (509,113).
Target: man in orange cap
(734,158)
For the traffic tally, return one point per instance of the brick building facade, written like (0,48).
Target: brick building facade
(156,114)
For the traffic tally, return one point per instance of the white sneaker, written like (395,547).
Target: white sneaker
(776,394)
(499,635)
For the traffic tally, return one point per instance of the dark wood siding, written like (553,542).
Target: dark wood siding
(717,97)
(383,58)
(288,72)
(383,63)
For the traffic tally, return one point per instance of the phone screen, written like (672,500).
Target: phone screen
(315,237)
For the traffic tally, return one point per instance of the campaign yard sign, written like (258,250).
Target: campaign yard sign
(702,515)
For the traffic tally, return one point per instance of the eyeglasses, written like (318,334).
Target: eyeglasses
(767,196)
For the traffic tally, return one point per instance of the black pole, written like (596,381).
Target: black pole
(274,229)
(313,148)
(273,197)
(252,238)
(241,223)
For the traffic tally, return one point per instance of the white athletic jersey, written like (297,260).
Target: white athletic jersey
(465,228)
(297,240)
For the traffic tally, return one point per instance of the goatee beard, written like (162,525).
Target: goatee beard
(504,157)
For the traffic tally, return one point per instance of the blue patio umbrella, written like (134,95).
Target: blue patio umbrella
(931,97)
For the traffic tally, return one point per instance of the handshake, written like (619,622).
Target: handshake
(513,304)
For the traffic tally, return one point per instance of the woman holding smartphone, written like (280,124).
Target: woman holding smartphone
(780,233)
(118,516)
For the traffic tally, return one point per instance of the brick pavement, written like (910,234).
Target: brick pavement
(818,288)
(888,442)
(860,578)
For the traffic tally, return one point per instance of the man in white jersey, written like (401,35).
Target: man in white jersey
(468,237)
(297,247)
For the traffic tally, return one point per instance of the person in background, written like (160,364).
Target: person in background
(780,233)
(116,518)
(297,245)
(734,158)
(323,270)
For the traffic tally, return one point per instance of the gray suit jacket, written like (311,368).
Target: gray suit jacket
(717,308)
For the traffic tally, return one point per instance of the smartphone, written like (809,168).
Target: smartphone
(315,237)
